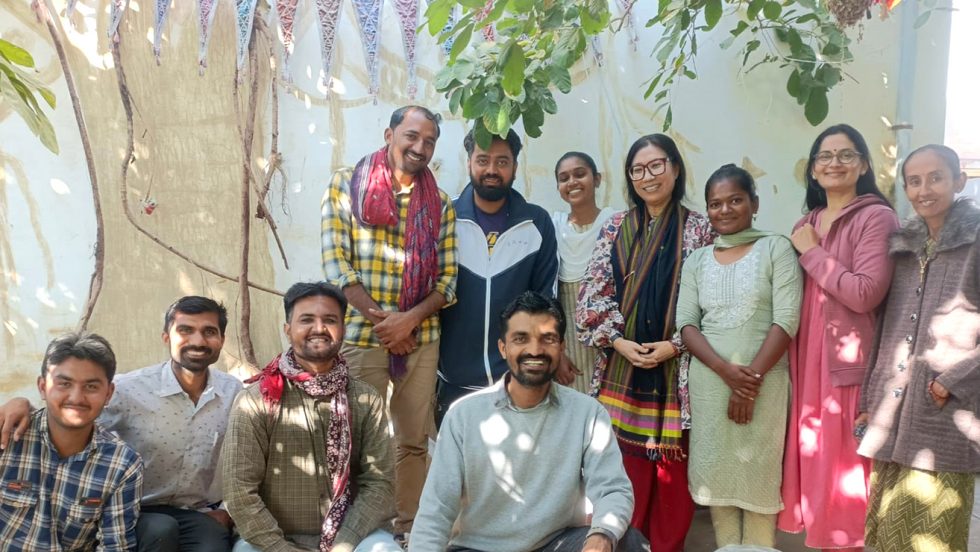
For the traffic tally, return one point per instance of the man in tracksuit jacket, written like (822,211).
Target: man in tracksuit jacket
(506,247)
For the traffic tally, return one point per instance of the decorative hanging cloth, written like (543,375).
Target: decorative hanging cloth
(627,6)
(159,18)
(328,12)
(490,31)
(70,8)
(454,16)
(596,50)
(205,17)
(369,22)
(116,10)
(408,16)
(286,10)
(245,13)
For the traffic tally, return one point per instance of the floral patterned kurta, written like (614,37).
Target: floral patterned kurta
(598,319)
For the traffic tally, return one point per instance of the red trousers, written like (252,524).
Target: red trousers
(662,505)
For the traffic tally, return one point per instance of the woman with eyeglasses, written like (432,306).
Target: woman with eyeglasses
(921,397)
(578,178)
(626,308)
(843,247)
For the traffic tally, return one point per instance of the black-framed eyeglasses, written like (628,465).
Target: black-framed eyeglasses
(844,157)
(656,167)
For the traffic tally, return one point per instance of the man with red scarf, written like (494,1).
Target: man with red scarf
(389,241)
(307,458)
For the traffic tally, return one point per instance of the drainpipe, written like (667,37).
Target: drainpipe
(906,88)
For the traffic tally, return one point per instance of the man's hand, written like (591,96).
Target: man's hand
(405,347)
(222,517)
(597,542)
(15,418)
(567,371)
(394,327)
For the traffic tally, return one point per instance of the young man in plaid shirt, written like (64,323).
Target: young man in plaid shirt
(68,484)
(389,241)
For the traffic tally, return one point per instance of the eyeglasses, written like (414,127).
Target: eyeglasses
(656,167)
(844,157)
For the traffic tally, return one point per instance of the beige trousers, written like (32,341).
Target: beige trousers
(734,525)
(410,409)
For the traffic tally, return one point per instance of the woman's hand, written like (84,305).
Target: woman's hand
(938,393)
(661,351)
(740,409)
(634,353)
(860,426)
(741,380)
(805,238)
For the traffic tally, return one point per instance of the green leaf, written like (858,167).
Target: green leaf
(548,102)
(752,46)
(494,14)
(755,6)
(740,28)
(482,136)
(922,19)
(16,54)
(533,116)
(771,10)
(503,118)
(454,100)
(793,84)
(522,6)
(462,69)
(669,117)
(817,108)
(561,78)
(475,106)
(476,4)
(444,79)
(712,13)
(460,43)
(828,75)
(513,69)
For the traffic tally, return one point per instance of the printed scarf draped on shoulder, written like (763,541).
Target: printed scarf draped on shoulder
(331,386)
(644,404)
(373,204)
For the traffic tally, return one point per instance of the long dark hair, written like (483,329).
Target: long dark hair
(815,195)
(667,144)
(584,157)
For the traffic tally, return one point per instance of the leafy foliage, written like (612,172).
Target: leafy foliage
(495,83)
(18,88)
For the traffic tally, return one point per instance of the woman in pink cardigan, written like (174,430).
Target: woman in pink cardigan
(843,247)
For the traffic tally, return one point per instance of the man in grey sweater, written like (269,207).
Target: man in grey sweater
(514,462)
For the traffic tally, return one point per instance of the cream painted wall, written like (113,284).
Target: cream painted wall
(188,157)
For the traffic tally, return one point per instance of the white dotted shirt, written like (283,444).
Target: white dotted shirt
(179,441)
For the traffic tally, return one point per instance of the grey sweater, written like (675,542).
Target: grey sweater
(515,478)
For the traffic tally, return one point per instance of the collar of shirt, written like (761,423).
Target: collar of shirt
(502,397)
(170,386)
(42,427)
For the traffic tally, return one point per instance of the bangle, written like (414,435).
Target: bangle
(677,350)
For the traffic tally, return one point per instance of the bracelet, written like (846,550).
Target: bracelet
(677,350)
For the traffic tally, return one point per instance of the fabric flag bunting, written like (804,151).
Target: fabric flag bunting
(286,10)
(489,32)
(70,8)
(116,10)
(328,12)
(245,11)
(159,18)
(369,21)
(596,50)
(627,6)
(205,17)
(408,15)
(454,16)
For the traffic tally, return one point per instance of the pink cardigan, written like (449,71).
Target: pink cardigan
(852,268)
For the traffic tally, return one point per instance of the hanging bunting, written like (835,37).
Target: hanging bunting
(454,15)
(328,12)
(596,47)
(369,21)
(205,17)
(627,6)
(116,10)
(70,8)
(160,17)
(245,11)
(490,31)
(286,10)
(408,16)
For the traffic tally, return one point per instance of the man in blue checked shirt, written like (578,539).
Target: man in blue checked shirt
(68,484)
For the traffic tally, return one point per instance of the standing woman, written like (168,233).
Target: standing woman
(922,394)
(626,309)
(738,308)
(577,177)
(843,247)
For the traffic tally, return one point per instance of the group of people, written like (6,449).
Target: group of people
(828,381)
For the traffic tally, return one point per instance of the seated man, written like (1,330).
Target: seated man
(174,414)
(512,461)
(307,462)
(68,484)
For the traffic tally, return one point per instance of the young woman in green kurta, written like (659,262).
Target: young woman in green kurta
(737,310)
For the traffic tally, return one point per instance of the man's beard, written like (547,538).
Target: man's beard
(534,380)
(196,364)
(491,193)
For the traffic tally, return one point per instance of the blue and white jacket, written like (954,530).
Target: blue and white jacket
(525,257)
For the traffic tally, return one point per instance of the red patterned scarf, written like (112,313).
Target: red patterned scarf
(332,386)
(373,204)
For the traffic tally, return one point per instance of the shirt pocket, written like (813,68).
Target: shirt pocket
(16,512)
(79,526)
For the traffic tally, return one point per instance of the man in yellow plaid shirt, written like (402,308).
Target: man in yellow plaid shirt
(389,241)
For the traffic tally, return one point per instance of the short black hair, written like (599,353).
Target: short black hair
(733,173)
(195,304)
(83,346)
(586,158)
(513,142)
(398,115)
(533,302)
(666,143)
(303,290)
(946,153)
(815,194)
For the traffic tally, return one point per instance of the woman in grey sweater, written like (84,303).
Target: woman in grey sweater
(921,399)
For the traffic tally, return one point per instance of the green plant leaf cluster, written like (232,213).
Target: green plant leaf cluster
(513,78)
(18,88)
